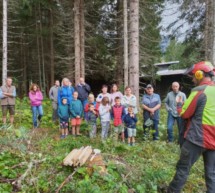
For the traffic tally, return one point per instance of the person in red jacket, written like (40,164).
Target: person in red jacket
(118,113)
(198,111)
(91,100)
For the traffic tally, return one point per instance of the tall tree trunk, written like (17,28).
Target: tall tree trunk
(25,69)
(134,48)
(82,40)
(42,53)
(77,40)
(206,31)
(119,50)
(21,52)
(52,65)
(125,30)
(213,27)
(209,30)
(38,50)
(4,59)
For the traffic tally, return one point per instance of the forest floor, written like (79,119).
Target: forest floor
(31,160)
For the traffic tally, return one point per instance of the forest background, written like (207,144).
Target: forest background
(43,39)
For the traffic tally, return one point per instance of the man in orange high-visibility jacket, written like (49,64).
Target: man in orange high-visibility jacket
(199,112)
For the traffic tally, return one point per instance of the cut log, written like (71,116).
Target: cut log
(86,156)
(75,157)
(68,159)
(83,152)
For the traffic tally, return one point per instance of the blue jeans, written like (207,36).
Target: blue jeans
(84,102)
(170,124)
(37,112)
(190,153)
(154,127)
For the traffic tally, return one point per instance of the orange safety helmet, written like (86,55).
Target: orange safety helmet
(200,67)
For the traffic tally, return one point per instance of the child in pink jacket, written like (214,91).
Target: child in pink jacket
(36,98)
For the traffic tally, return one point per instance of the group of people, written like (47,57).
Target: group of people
(194,116)
(78,103)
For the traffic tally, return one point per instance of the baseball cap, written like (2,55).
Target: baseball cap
(149,86)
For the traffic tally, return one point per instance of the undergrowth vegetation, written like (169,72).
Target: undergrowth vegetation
(31,160)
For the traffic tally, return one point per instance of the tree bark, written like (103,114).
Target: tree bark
(134,48)
(42,54)
(4,59)
(52,65)
(119,50)
(209,30)
(213,27)
(38,51)
(77,40)
(82,40)
(206,31)
(25,70)
(125,18)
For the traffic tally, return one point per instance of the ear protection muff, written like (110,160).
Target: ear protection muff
(199,74)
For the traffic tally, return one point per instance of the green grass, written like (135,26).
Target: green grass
(143,168)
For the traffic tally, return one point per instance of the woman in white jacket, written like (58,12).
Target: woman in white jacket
(104,112)
(129,100)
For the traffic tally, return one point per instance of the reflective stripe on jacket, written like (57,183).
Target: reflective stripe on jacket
(199,110)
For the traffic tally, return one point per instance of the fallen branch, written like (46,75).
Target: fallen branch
(18,182)
(6,180)
(19,165)
(66,181)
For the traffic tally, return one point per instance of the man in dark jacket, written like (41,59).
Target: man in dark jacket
(83,90)
(198,110)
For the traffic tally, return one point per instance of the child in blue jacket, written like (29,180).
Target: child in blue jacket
(76,111)
(63,113)
(130,121)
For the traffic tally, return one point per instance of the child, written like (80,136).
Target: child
(91,100)
(130,121)
(115,93)
(63,113)
(76,110)
(91,117)
(103,94)
(104,112)
(118,113)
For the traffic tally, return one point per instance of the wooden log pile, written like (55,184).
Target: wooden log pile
(85,155)
(78,157)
